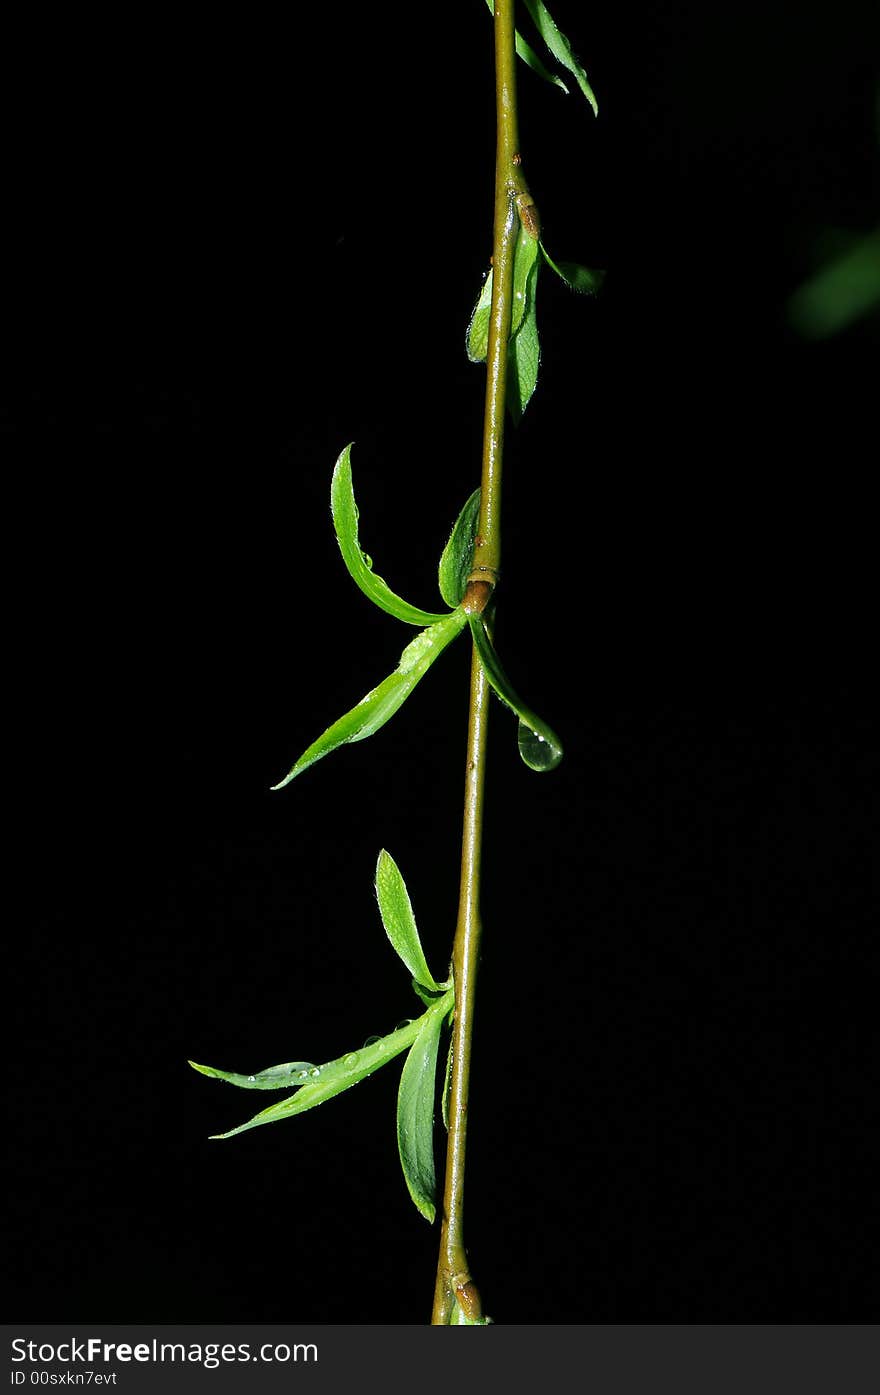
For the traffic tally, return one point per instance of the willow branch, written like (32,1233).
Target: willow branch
(454,1281)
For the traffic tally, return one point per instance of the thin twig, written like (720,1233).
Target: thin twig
(454,1282)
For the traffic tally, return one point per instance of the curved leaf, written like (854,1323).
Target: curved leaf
(336,1076)
(345,522)
(578,278)
(396,911)
(381,703)
(560,47)
(539,745)
(415,1114)
(458,554)
(282,1077)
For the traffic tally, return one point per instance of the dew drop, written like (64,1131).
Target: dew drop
(315,1072)
(252,1078)
(371,1041)
(350,1060)
(538,752)
(404,1022)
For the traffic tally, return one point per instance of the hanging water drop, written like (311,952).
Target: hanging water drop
(540,752)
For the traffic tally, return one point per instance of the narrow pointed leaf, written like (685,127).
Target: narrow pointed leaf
(560,47)
(341,1074)
(415,1114)
(396,911)
(345,521)
(458,554)
(539,745)
(530,58)
(381,703)
(293,1073)
(578,278)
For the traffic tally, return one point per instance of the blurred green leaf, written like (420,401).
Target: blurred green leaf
(530,58)
(458,554)
(845,290)
(396,911)
(345,521)
(578,278)
(381,703)
(334,1076)
(458,1319)
(415,1114)
(560,47)
(539,745)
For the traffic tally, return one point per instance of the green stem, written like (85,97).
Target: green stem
(453,1275)
(454,1282)
(508,182)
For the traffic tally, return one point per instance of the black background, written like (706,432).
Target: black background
(232,250)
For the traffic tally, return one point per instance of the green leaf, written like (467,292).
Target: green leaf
(345,521)
(840,293)
(560,47)
(539,745)
(282,1077)
(381,703)
(415,1114)
(477,340)
(524,275)
(447,1086)
(524,258)
(458,554)
(578,278)
(396,911)
(530,58)
(335,1076)
(524,352)
(458,1318)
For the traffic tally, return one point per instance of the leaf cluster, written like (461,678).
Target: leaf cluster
(419,1037)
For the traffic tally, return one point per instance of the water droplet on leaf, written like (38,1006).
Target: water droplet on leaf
(351,1060)
(538,752)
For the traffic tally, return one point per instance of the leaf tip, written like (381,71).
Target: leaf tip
(291,775)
